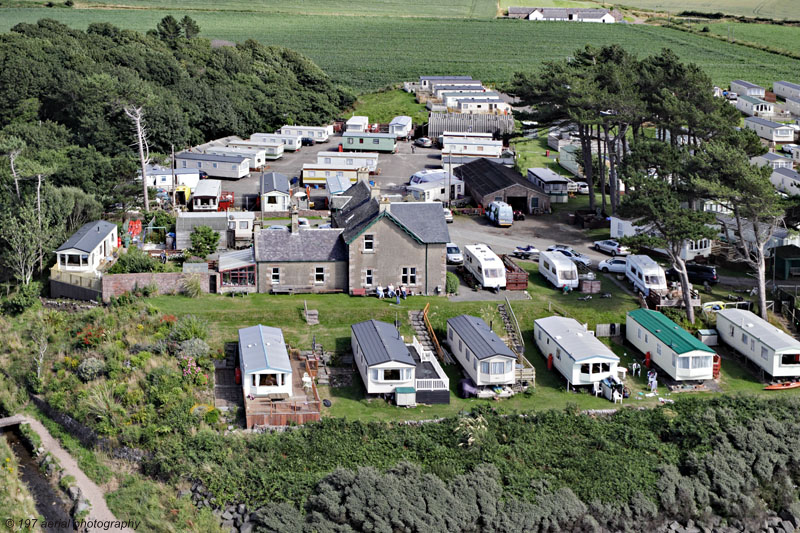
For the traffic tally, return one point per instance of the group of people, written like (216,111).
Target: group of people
(391,292)
(652,375)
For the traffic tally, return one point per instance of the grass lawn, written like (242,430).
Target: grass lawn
(385,105)
(532,153)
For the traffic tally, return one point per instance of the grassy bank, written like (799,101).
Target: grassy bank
(15,498)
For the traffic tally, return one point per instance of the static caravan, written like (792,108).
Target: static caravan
(488,269)
(484,357)
(436,191)
(291,143)
(786,89)
(357,123)
(206,195)
(320,134)
(317,173)
(574,351)
(558,270)
(754,107)
(382,358)
(621,227)
(645,274)
(264,362)
(769,347)
(746,88)
(426,81)
(482,105)
(467,87)
(793,105)
(87,248)
(786,181)
(217,166)
(367,160)
(161,177)
(500,213)
(257,156)
(369,142)
(470,146)
(771,131)
(552,184)
(400,126)
(451,99)
(773,160)
(273,148)
(671,347)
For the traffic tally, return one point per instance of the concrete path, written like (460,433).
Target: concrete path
(11,421)
(90,490)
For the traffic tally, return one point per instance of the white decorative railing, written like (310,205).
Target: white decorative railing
(432,384)
(426,356)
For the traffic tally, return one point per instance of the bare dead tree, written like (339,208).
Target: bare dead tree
(136,114)
(39,336)
(13,147)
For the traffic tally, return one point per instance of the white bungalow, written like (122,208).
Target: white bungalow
(481,353)
(206,195)
(320,134)
(669,346)
(275,193)
(400,126)
(754,107)
(580,357)
(88,247)
(786,89)
(382,358)
(769,347)
(357,123)
(219,166)
(769,130)
(264,363)
(350,159)
(742,87)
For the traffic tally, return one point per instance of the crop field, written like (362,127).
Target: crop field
(776,9)
(778,37)
(368,53)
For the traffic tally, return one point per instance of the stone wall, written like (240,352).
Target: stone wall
(166,283)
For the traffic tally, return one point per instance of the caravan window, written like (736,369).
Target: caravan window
(683,362)
(654,280)
(558,353)
(469,355)
(508,366)
(764,353)
(498,367)
(450,334)
(639,333)
(460,347)
(568,275)
(744,339)
(732,332)
(484,368)
(658,349)
(701,362)
(475,364)
(540,334)
(752,345)
(492,272)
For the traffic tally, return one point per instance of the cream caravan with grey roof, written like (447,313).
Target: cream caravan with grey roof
(319,133)
(772,349)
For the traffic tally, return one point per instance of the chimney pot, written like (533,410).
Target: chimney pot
(295,219)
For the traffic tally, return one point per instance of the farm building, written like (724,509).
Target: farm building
(785,180)
(369,142)
(206,195)
(621,227)
(552,184)
(669,346)
(272,148)
(320,134)
(368,160)
(786,89)
(88,248)
(453,145)
(436,191)
(217,166)
(754,107)
(162,177)
(237,271)
(290,143)
(771,131)
(400,126)
(580,357)
(438,123)
(318,173)
(776,352)
(745,88)
(487,182)
(565,14)
(773,160)
(357,123)
(484,357)
(275,192)
(256,155)
(264,362)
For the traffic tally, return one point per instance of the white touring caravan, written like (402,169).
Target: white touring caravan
(500,213)
(484,264)
(645,274)
(558,270)
(772,349)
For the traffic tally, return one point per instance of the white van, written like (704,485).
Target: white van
(558,270)
(645,274)
(484,264)
(500,213)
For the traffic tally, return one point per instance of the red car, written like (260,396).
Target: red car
(519,215)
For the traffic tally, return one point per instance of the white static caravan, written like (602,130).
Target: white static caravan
(580,357)
(436,191)
(645,274)
(317,173)
(482,105)
(273,148)
(773,160)
(264,362)
(481,353)
(382,357)
(769,347)
(786,89)
(558,270)
(161,177)
(206,195)
(621,227)
(400,126)
(746,88)
(87,248)
(368,160)
(792,105)
(785,180)
(471,146)
(357,123)
(451,99)
(754,107)
(484,264)
(291,143)
(440,89)
(320,134)
(671,347)
(216,166)
(769,130)
(257,156)
(554,185)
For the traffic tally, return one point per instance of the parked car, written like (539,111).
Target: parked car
(697,274)
(583,187)
(448,215)
(454,255)
(568,252)
(424,142)
(519,215)
(789,147)
(616,266)
(303,222)
(307,141)
(203,174)
(612,247)
(324,226)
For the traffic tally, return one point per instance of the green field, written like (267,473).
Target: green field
(368,53)
(778,37)
(775,9)
(384,106)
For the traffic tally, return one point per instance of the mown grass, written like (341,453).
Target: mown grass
(385,105)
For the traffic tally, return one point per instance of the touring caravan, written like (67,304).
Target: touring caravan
(484,264)
(500,213)
(770,348)
(645,274)
(558,270)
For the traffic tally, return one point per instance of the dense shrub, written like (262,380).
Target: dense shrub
(91,369)
(189,327)
(135,261)
(204,241)
(451,283)
(192,285)
(27,296)
(195,348)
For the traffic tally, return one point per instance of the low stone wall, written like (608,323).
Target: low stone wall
(165,282)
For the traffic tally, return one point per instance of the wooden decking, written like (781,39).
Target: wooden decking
(304,405)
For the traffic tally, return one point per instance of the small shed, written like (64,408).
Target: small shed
(787,261)
(264,363)
(770,348)
(357,123)
(275,192)
(405,396)
(708,337)
(400,126)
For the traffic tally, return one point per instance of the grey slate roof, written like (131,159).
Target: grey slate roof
(192,156)
(772,156)
(208,187)
(747,84)
(236,259)
(306,245)
(88,236)
(263,348)
(423,219)
(486,177)
(481,341)
(357,194)
(274,181)
(380,343)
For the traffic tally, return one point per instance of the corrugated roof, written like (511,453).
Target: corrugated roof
(236,259)
(191,156)
(274,181)
(757,327)
(208,187)
(88,236)
(481,341)
(320,245)
(263,348)
(438,123)
(547,175)
(577,343)
(487,177)
(380,343)
(668,332)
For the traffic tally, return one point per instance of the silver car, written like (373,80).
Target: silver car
(571,254)
(454,255)
(612,247)
(616,266)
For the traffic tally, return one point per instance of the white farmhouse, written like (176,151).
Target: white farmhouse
(264,363)
(772,349)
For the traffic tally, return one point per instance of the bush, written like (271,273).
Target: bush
(26,297)
(135,261)
(91,368)
(189,327)
(195,348)
(192,285)
(204,241)
(451,283)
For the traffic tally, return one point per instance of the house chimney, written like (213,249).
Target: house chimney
(375,192)
(295,220)
(385,204)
